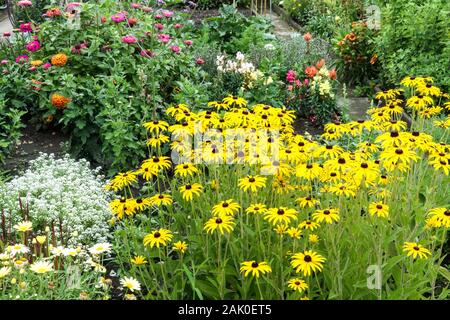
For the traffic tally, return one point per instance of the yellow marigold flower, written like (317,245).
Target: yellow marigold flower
(160,237)
(255,268)
(59,60)
(307,262)
(416,250)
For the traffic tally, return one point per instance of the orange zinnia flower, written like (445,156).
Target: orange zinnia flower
(351,36)
(310,71)
(59,101)
(320,64)
(307,37)
(332,74)
(59,60)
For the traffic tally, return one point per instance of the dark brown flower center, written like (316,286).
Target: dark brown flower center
(255,265)
(364,165)
(157,234)
(416,248)
(307,258)
(379,206)
(341,161)
(251,180)
(399,151)
(280,212)
(188,187)
(326,212)
(218,221)
(225,205)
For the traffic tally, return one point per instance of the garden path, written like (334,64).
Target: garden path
(5,25)
(357,106)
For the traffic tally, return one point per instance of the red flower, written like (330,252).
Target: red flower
(307,37)
(320,64)
(332,74)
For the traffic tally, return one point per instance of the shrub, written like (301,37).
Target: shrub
(414,39)
(63,194)
(10,127)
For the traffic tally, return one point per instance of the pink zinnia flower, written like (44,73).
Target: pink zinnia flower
(77,48)
(22,58)
(159,26)
(290,76)
(147,9)
(118,18)
(4,62)
(158,16)
(175,49)
(178,26)
(188,42)
(135,5)
(200,61)
(26,27)
(33,68)
(129,39)
(306,82)
(167,13)
(24,3)
(46,66)
(164,38)
(33,46)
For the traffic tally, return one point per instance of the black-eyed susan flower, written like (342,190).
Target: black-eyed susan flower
(157,141)
(138,260)
(258,208)
(190,190)
(122,180)
(255,268)
(142,203)
(222,223)
(428,90)
(157,163)
(297,284)
(313,238)
(179,108)
(419,102)
(234,101)
(329,215)
(416,250)
(281,228)
(252,182)
(161,199)
(440,217)
(123,207)
(156,126)
(180,246)
(227,207)
(395,155)
(280,215)
(308,171)
(309,225)
(307,202)
(148,172)
(185,170)
(343,189)
(294,232)
(157,238)
(307,262)
(379,209)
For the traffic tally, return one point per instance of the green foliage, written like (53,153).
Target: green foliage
(415,39)
(10,127)
(234,32)
(214,4)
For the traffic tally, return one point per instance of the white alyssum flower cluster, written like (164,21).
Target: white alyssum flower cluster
(60,190)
